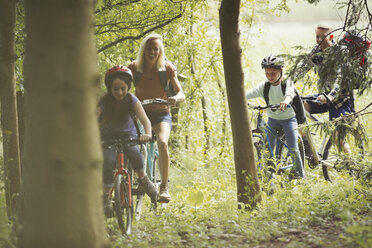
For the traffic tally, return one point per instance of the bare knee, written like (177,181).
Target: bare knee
(163,145)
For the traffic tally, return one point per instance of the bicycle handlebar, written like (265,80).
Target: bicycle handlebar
(116,140)
(314,98)
(272,107)
(154,101)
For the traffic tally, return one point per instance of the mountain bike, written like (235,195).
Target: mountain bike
(325,155)
(153,166)
(285,163)
(124,188)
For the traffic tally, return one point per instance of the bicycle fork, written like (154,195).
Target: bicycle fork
(125,173)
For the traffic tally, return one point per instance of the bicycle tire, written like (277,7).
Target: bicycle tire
(258,147)
(325,156)
(156,171)
(123,204)
(284,155)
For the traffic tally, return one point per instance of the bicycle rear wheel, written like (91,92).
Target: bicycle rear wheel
(123,203)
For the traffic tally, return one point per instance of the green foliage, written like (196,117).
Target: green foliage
(203,211)
(295,214)
(5,225)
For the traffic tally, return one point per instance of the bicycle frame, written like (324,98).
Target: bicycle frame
(152,152)
(260,126)
(316,155)
(122,169)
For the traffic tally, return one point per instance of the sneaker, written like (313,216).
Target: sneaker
(148,186)
(164,194)
(107,205)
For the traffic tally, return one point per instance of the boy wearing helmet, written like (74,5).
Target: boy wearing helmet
(115,119)
(285,118)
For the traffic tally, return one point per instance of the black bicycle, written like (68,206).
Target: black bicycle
(280,152)
(326,155)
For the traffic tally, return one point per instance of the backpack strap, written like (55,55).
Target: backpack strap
(267,89)
(164,80)
(266,92)
(284,86)
(133,114)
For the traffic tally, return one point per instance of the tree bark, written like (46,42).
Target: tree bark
(248,189)
(63,158)
(9,120)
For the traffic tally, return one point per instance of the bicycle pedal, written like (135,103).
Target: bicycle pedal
(138,191)
(163,201)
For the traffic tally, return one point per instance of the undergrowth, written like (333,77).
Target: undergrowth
(203,213)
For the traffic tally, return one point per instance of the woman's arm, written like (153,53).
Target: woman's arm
(180,96)
(141,115)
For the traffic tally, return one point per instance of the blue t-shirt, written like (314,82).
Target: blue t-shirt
(126,127)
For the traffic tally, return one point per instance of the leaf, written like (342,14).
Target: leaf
(195,198)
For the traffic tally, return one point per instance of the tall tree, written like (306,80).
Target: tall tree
(62,164)
(9,105)
(246,173)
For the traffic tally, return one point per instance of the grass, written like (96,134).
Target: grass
(304,213)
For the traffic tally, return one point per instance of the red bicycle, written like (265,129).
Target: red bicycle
(122,192)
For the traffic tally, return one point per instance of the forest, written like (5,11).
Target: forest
(53,60)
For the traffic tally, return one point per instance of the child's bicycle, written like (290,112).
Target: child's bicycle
(285,165)
(152,153)
(124,188)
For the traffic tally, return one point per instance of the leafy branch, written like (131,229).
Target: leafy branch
(340,127)
(114,43)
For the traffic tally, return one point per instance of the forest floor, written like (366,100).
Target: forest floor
(302,213)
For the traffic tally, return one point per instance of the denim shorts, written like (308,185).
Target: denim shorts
(157,117)
(346,108)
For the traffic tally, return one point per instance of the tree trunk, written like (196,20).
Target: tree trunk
(224,118)
(9,105)
(63,158)
(206,126)
(246,173)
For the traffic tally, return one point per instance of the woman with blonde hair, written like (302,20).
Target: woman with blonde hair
(153,77)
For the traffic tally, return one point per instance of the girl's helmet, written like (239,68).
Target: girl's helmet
(272,61)
(116,71)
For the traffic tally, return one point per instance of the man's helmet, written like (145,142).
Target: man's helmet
(272,61)
(118,70)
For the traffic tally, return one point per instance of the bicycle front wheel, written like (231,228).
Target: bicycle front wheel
(326,156)
(285,158)
(123,203)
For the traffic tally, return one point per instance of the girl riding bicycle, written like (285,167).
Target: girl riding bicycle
(116,110)
(284,118)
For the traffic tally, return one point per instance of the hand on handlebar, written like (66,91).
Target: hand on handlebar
(144,138)
(322,99)
(172,100)
(283,106)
